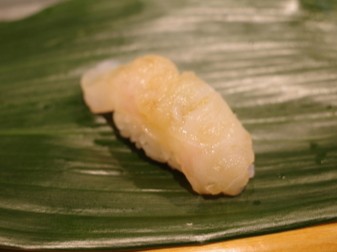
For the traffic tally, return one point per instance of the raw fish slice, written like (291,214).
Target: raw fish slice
(176,118)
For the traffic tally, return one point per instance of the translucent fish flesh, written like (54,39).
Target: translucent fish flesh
(176,118)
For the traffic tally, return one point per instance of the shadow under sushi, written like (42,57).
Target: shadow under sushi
(177,176)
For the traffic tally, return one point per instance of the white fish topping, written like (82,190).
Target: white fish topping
(175,118)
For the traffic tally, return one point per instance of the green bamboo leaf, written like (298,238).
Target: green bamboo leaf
(67,180)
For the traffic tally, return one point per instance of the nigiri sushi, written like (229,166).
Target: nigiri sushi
(176,118)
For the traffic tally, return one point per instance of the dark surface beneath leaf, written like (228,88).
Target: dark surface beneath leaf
(68,181)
